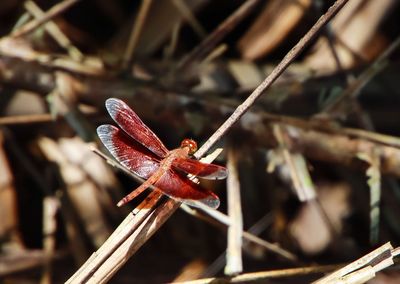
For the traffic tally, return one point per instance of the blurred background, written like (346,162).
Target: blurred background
(317,156)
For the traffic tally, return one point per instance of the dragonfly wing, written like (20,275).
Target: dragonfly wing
(202,170)
(128,152)
(130,122)
(178,186)
(142,162)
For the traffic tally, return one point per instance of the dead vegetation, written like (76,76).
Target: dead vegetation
(302,95)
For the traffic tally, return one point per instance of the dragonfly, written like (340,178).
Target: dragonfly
(139,150)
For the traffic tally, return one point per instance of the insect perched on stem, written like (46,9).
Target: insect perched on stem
(137,148)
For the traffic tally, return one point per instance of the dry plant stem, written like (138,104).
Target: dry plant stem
(234,264)
(264,275)
(173,41)
(278,70)
(301,177)
(331,39)
(215,217)
(50,208)
(119,236)
(136,32)
(150,225)
(52,13)
(270,246)
(215,53)
(190,18)
(381,253)
(219,262)
(295,175)
(341,149)
(374,182)
(215,37)
(374,137)
(24,119)
(54,31)
(34,118)
(354,89)
(299,174)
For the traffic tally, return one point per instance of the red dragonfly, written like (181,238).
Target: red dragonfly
(137,148)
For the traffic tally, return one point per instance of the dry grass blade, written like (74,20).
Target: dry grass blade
(124,232)
(54,31)
(136,31)
(234,263)
(265,275)
(215,37)
(148,227)
(24,119)
(300,176)
(362,269)
(190,18)
(53,12)
(374,182)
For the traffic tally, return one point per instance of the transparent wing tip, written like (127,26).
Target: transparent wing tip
(211,201)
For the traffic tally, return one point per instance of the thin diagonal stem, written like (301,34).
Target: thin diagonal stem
(354,89)
(209,43)
(286,61)
(50,14)
(136,32)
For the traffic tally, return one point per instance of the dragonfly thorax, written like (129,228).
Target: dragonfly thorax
(190,144)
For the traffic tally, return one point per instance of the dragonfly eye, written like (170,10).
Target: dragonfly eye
(191,144)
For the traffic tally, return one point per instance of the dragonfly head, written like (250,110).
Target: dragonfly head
(190,144)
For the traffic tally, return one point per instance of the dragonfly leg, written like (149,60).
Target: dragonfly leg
(152,180)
